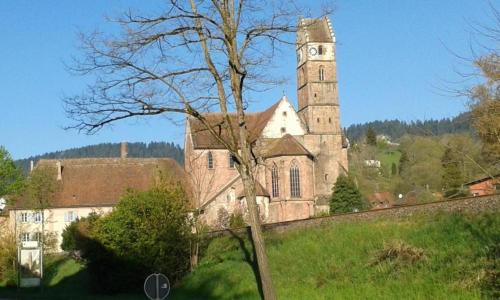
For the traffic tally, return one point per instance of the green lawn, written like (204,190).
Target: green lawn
(337,261)
(65,278)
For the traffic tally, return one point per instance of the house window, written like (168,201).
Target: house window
(37,217)
(284,114)
(330,120)
(25,237)
(275,181)
(70,216)
(210,160)
(232,161)
(24,217)
(36,236)
(321,73)
(294,181)
(317,120)
(283,129)
(320,50)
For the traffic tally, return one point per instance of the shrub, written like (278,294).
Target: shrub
(77,235)
(236,220)
(147,232)
(8,258)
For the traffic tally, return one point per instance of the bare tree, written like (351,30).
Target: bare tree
(193,57)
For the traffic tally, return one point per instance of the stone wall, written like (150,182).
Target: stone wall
(490,203)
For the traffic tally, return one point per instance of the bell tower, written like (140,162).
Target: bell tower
(318,101)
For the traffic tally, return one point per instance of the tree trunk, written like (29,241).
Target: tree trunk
(258,240)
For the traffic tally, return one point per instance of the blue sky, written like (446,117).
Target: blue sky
(391,55)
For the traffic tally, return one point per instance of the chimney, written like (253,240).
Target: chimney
(124,150)
(32,165)
(59,170)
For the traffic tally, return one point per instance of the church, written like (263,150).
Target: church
(300,152)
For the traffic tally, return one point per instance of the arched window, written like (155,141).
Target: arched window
(294,181)
(275,181)
(320,50)
(321,73)
(210,160)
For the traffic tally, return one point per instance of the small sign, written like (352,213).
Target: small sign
(156,286)
(30,267)
(29,244)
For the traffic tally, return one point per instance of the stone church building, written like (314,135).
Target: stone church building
(300,152)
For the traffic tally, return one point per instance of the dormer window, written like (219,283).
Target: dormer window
(320,50)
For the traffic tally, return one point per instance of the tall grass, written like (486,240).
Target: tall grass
(445,256)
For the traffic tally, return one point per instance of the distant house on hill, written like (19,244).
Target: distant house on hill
(381,200)
(87,185)
(484,186)
(372,163)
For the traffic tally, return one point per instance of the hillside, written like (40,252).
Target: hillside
(441,256)
(437,257)
(153,149)
(396,128)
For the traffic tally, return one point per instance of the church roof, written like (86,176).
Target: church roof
(317,30)
(286,146)
(98,182)
(259,191)
(203,139)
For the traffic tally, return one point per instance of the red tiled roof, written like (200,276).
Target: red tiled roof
(287,145)
(318,30)
(259,191)
(102,181)
(203,139)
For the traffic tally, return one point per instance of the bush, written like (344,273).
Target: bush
(236,220)
(147,232)
(8,258)
(77,235)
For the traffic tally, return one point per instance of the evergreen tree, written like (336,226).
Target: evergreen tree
(403,162)
(346,197)
(452,174)
(371,136)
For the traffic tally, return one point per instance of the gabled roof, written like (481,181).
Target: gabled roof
(482,179)
(97,182)
(286,146)
(203,139)
(259,191)
(317,30)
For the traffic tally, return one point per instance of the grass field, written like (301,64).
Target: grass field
(65,279)
(340,261)
(433,257)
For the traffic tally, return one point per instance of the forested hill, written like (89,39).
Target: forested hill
(396,128)
(153,149)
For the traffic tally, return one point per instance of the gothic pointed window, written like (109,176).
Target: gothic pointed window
(321,73)
(275,181)
(294,180)
(210,160)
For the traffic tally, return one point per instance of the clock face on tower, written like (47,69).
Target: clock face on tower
(313,51)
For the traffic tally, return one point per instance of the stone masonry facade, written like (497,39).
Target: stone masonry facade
(300,152)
